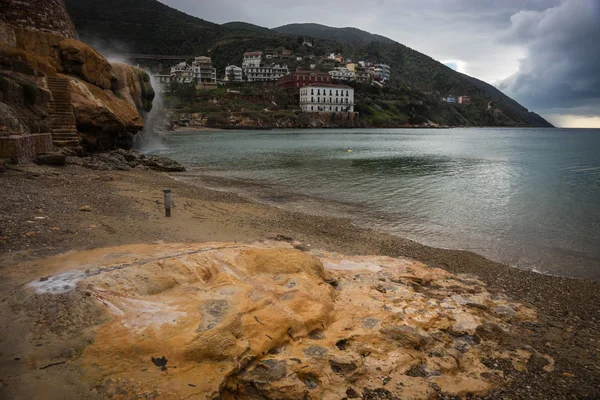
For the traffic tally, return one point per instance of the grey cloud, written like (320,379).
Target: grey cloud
(556,40)
(562,68)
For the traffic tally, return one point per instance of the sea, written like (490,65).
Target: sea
(529,198)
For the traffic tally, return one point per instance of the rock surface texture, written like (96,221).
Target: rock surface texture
(124,160)
(98,102)
(255,321)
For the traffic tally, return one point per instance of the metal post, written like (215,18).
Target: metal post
(167,193)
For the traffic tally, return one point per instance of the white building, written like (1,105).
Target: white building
(279,71)
(381,72)
(163,82)
(205,74)
(182,73)
(232,71)
(266,73)
(361,75)
(327,98)
(252,59)
(342,74)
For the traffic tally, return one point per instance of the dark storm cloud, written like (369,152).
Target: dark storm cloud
(561,71)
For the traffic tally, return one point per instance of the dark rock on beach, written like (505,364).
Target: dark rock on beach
(125,160)
(51,159)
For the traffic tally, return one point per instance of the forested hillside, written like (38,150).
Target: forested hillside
(150,27)
(352,35)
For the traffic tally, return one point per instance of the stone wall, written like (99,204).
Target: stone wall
(25,147)
(48,16)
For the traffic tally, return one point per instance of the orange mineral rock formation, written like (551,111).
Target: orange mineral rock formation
(254,321)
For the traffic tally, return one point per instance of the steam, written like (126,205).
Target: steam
(150,138)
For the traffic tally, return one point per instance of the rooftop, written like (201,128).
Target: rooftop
(309,72)
(253,53)
(330,85)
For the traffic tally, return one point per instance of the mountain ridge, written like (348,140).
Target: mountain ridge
(150,27)
(345,34)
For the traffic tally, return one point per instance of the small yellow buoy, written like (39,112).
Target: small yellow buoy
(349,151)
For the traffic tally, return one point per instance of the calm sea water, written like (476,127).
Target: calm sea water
(526,197)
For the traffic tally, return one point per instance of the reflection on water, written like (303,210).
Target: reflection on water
(527,197)
(413,165)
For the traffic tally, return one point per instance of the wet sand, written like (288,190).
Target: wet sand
(40,215)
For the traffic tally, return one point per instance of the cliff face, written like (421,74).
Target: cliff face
(48,16)
(102,103)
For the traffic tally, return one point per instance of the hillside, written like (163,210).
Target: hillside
(150,27)
(352,35)
(245,26)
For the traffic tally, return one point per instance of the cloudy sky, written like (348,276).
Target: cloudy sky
(543,53)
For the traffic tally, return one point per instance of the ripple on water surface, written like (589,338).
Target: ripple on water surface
(527,197)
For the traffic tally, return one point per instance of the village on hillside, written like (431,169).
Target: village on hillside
(318,84)
(326,76)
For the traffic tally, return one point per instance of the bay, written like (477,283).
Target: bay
(529,198)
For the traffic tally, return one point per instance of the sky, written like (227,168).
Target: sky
(543,53)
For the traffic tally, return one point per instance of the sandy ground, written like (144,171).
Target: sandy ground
(40,215)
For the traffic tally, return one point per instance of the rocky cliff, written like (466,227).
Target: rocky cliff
(254,321)
(53,84)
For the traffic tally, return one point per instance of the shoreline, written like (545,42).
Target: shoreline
(271,196)
(126,208)
(250,128)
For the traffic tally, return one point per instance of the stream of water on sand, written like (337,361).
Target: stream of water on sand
(526,197)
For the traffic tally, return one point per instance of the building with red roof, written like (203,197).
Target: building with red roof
(252,59)
(303,78)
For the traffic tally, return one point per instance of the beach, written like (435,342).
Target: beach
(41,215)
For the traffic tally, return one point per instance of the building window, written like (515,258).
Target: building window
(330,92)
(346,101)
(318,92)
(312,108)
(336,100)
(312,99)
(318,99)
(336,93)
(346,93)
(312,91)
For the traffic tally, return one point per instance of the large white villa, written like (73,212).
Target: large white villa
(326,97)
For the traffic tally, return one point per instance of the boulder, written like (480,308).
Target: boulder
(125,160)
(100,115)
(51,159)
(106,162)
(490,331)
(79,59)
(133,84)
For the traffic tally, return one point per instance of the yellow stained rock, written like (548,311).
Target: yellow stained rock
(246,321)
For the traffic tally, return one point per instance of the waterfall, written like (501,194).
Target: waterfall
(150,139)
